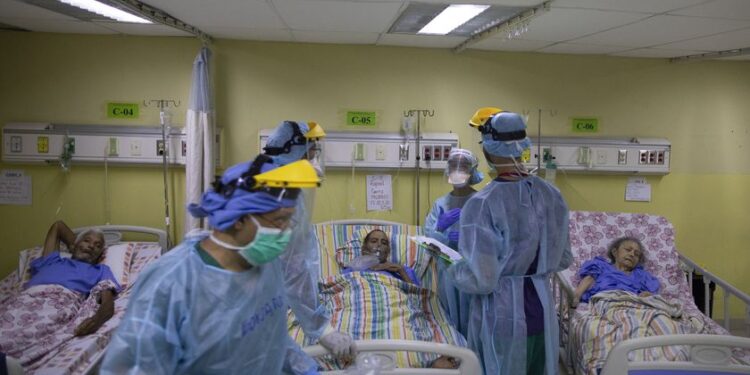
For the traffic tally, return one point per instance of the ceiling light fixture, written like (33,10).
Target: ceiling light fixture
(711,55)
(509,29)
(452,17)
(106,11)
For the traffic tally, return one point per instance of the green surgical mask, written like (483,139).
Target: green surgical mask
(267,245)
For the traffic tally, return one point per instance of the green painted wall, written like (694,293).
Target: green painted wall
(700,107)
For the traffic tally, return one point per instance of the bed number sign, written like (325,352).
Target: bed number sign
(585,125)
(361,118)
(123,110)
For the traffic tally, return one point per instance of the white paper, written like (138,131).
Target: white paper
(452,254)
(15,188)
(638,190)
(379,193)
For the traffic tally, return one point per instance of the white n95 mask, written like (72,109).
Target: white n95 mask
(458,178)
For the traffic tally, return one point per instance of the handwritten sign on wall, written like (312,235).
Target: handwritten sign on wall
(15,188)
(379,193)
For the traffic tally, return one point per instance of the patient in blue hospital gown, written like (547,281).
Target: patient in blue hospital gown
(622,271)
(377,245)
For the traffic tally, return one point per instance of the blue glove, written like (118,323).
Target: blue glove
(447,219)
(453,236)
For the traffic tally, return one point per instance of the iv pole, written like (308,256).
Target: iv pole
(165,118)
(421,113)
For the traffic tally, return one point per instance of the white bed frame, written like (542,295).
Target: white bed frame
(160,234)
(387,349)
(708,353)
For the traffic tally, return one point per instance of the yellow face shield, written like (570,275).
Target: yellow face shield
(482,114)
(299,174)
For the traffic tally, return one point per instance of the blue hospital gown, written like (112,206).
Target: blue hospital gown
(187,317)
(608,277)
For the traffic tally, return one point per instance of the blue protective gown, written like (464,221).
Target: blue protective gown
(300,264)
(505,228)
(186,317)
(444,204)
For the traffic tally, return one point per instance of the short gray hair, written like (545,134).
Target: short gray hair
(616,244)
(95,231)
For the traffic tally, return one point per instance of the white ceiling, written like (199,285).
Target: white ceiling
(634,28)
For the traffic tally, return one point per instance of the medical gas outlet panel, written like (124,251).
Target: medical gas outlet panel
(137,145)
(599,155)
(374,150)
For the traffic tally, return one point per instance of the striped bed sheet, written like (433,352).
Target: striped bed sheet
(370,305)
(615,316)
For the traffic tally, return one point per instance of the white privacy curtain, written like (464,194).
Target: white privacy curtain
(199,124)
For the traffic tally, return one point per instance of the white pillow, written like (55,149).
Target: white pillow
(118,258)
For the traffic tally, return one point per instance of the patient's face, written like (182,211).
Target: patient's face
(89,249)
(627,255)
(377,244)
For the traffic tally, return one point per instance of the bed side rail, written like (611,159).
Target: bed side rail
(689,268)
(387,348)
(708,353)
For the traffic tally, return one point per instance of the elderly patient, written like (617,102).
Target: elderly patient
(376,250)
(622,271)
(39,317)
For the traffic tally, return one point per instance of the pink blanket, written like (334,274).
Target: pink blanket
(35,321)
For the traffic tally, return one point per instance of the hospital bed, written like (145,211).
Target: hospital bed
(401,323)
(590,234)
(82,355)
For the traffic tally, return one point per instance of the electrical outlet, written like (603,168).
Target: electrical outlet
(184,148)
(359,151)
(622,157)
(380,152)
(135,148)
(16,143)
(113,146)
(160,147)
(42,144)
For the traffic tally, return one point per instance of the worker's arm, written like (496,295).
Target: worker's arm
(58,232)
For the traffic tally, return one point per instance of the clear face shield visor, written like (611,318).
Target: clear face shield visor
(315,155)
(459,170)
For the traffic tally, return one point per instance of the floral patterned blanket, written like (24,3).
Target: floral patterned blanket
(37,324)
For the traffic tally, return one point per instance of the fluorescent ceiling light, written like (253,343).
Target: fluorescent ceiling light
(106,11)
(452,17)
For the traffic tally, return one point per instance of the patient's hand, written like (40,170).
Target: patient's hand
(393,267)
(645,294)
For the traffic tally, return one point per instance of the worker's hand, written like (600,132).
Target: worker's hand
(453,236)
(446,219)
(339,344)
(89,326)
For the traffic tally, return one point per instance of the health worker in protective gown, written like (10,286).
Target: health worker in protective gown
(215,304)
(513,234)
(300,263)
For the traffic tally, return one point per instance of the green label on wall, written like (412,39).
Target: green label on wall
(123,110)
(360,118)
(585,125)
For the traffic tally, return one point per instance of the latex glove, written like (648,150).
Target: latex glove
(447,219)
(453,236)
(340,344)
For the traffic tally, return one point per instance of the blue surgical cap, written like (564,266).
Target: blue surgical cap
(283,134)
(223,212)
(506,122)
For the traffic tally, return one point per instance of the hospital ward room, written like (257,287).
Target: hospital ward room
(375,187)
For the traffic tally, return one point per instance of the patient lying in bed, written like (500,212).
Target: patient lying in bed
(623,271)
(42,315)
(623,304)
(376,251)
